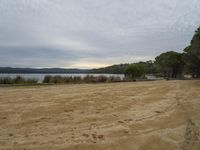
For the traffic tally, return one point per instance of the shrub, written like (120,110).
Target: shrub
(68,79)
(19,80)
(47,79)
(114,79)
(31,81)
(101,79)
(77,79)
(58,79)
(89,79)
(6,80)
(134,71)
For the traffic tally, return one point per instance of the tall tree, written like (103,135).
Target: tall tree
(134,71)
(169,64)
(191,55)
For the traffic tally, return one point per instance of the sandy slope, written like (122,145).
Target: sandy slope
(159,115)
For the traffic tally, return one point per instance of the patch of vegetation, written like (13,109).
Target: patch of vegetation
(197,33)
(17,80)
(134,71)
(78,79)
(191,56)
(169,64)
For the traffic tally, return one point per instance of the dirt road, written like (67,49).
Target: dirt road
(159,115)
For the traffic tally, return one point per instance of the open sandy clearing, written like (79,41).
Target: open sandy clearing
(159,115)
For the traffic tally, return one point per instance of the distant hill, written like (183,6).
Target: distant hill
(114,69)
(148,66)
(42,70)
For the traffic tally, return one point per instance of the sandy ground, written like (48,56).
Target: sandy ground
(159,115)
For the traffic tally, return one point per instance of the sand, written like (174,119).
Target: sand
(157,115)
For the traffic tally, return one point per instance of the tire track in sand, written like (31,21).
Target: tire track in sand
(192,134)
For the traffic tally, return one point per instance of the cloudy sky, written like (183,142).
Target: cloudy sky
(92,33)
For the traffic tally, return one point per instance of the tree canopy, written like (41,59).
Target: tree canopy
(134,71)
(169,64)
(191,55)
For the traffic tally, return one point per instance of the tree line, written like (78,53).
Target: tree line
(169,64)
(173,64)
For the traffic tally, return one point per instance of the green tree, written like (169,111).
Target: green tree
(169,64)
(134,71)
(191,55)
(148,66)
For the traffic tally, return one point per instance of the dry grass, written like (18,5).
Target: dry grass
(159,115)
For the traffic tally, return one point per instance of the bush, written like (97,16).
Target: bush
(57,79)
(68,79)
(89,79)
(114,79)
(77,79)
(6,80)
(54,79)
(101,79)
(32,81)
(134,71)
(17,80)
(47,79)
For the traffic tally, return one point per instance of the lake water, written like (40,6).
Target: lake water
(41,76)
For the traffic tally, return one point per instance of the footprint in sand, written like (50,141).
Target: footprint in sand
(85,135)
(95,136)
(120,121)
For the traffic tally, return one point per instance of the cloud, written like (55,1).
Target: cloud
(88,33)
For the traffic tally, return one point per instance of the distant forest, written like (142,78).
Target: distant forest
(170,64)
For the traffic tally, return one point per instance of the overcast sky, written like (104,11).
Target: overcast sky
(93,33)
